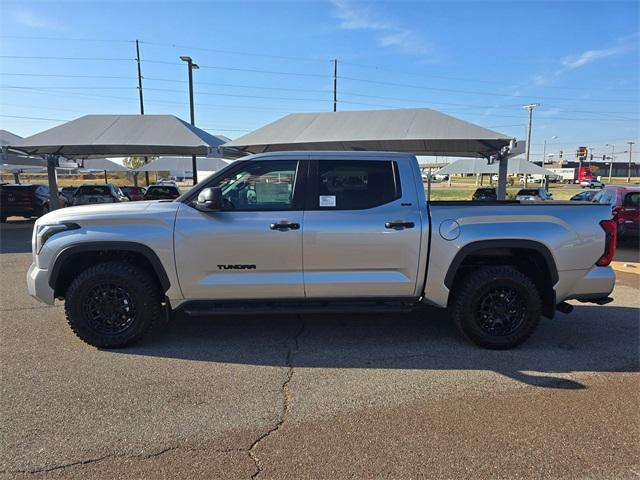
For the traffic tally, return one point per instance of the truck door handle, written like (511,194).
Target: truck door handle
(282,226)
(399,225)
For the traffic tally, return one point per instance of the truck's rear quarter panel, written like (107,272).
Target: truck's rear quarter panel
(571,233)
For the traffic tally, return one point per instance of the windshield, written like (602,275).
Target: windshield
(529,192)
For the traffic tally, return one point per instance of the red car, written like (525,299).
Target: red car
(133,193)
(625,208)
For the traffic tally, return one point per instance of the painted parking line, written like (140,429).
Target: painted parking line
(627,267)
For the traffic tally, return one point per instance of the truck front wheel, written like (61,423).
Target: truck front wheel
(112,304)
(496,307)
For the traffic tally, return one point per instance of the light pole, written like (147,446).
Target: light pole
(191,67)
(629,174)
(529,107)
(613,149)
(544,150)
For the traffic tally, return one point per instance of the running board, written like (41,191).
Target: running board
(210,308)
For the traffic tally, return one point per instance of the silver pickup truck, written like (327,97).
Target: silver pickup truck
(321,232)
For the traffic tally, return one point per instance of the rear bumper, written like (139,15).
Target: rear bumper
(597,283)
(20,211)
(38,285)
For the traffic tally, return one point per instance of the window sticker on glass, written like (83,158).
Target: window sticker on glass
(327,200)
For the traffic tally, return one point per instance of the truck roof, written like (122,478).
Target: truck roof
(329,154)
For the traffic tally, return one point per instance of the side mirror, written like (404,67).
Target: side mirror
(210,199)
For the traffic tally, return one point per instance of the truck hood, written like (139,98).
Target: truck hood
(108,211)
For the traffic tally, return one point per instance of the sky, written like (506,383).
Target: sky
(476,60)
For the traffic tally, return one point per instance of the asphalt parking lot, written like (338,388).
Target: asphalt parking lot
(340,396)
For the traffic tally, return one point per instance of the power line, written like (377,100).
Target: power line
(234,52)
(54,75)
(290,57)
(34,118)
(42,57)
(325,76)
(469,92)
(472,80)
(67,39)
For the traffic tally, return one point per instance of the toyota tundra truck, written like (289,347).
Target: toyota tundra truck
(321,232)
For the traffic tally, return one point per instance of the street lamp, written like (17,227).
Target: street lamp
(613,149)
(544,150)
(191,67)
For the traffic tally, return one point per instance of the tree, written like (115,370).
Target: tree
(133,162)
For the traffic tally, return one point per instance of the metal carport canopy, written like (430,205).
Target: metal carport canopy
(514,166)
(420,131)
(117,135)
(120,135)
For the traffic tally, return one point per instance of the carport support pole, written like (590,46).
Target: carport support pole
(502,177)
(52,163)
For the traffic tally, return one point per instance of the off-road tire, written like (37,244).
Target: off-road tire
(476,287)
(137,285)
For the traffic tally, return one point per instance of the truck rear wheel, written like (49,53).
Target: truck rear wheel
(112,304)
(496,307)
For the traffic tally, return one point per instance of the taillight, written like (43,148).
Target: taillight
(611,237)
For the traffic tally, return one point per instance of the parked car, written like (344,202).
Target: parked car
(534,194)
(166,181)
(485,193)
(256,237)
(585,196)
(67,193)
(162,192)
(134,194)
(591,183)
(625,209)
(24,200)
(531,180)
(90,194)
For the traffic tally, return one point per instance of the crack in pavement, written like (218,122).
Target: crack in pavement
(293,344)
(60,467)
(130,457)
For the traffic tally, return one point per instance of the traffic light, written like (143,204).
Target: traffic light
(591,158)
(560,154)
(604,158)
(582,153)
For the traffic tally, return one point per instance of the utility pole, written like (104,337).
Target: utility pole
(613,150)
(335,84)
(146,159)
(529,107)
(191,67)
(629,174)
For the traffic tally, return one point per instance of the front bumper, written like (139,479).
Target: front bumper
(38,285)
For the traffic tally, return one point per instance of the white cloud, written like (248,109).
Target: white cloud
(572,62)
(576,61)
(29,19)
(389,35)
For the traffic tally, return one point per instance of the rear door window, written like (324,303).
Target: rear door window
(632,200)
(356,185)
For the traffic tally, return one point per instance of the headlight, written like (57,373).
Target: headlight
(45,232)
